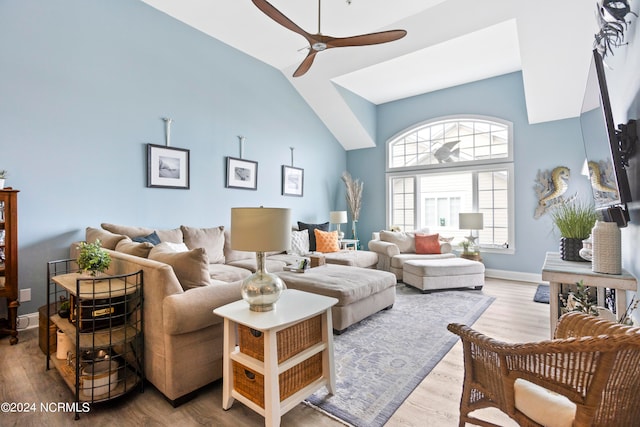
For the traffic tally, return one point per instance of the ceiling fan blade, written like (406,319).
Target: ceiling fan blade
(280,18)
(367,39)
(306,64)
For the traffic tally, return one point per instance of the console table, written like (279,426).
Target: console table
(283,356)
(557,271)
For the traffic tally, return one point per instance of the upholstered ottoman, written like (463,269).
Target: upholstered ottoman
(446,273)
(361,292)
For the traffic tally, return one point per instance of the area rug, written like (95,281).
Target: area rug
(382,359)
(542,294)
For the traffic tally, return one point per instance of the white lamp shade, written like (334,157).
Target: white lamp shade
(260,229)
(338,217)
(471,221)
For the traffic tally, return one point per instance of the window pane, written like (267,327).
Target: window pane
(450,141)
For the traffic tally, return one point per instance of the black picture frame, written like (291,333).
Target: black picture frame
(242,174)
(167,167)
(292,181)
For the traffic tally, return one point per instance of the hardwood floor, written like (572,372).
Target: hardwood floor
(513,316)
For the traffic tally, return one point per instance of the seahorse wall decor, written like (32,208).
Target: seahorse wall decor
(550,186)
(602,181)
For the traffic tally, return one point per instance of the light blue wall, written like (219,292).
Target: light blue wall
(536,147)
(84,85)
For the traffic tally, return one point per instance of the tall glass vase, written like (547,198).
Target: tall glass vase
(354,231)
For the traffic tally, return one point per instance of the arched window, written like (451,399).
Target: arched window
(440,168)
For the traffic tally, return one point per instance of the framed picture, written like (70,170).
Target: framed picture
(167,167)
(242,173)
(292,181)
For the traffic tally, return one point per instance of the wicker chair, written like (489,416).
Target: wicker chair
(592,367)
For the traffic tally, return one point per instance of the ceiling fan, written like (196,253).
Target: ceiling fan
(319,42)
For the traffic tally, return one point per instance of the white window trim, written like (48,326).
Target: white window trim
(456,117)
(478,165)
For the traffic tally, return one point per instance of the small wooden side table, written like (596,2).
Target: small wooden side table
(557,271)
(293,310)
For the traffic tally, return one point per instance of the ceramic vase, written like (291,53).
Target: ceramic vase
(570,249)
(607,248)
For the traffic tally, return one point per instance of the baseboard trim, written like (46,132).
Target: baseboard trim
(513,275)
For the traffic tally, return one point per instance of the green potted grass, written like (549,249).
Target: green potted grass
(574,220)
(92,258)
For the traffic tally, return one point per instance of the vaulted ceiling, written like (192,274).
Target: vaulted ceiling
(448,43)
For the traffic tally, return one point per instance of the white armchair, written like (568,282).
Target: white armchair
(394,248)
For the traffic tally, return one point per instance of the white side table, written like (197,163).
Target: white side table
(557,271)
(349,243)
(292,310)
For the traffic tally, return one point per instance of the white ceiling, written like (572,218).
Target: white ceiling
(449,42)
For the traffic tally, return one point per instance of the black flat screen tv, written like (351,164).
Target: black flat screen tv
(607,172)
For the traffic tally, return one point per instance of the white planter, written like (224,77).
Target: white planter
(1,183)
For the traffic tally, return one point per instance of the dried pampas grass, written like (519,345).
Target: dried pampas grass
(354,194)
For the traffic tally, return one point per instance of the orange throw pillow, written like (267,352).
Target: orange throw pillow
(326,241)
(427,243)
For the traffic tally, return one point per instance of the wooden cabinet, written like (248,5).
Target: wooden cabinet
(9,261)
(100,347)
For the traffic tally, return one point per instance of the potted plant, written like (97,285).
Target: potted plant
(64,310)
(574,220)
(92,258)
(3,175)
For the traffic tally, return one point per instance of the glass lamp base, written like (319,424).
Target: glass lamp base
(262,289)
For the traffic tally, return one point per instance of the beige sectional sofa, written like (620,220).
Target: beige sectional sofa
(188,272)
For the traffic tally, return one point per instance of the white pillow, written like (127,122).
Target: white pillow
(543,406)
(177,247)
(299,242)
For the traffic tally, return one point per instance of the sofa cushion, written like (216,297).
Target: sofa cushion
(299,242)
(139,249)
(212,239)
(326,241)
(271,265)
(170,235)
(543,406)
(399,260)
(227,273)
(150,238)
(405,241)
(108,240)
(312,236)
(191,268)
(427,243)
(364,259)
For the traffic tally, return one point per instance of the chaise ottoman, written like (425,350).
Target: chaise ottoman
(448,273)
(361,292)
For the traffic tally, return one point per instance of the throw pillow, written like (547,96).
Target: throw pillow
(299,242)
(108,240)
(405,241)
(130,247)
(311,228)
(191,267)
(178,247)
(212,239)
(173,235)
(326,241)
(427,243)
(151,238)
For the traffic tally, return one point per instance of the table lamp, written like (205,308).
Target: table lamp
(338,217)
(471,221)
(261,230)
